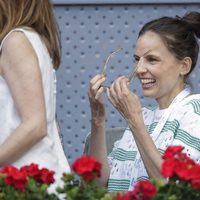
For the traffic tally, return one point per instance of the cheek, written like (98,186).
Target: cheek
(168,72)
(168,80)
(174,74)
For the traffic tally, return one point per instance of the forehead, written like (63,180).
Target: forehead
(150,41)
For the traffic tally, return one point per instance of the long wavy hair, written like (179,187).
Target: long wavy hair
(36,14)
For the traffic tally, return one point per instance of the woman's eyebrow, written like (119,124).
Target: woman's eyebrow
(146,53)
(136,56)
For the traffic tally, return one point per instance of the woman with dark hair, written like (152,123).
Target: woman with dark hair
(29,55)
(166,53)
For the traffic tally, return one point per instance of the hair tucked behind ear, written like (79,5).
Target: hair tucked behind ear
(179,34)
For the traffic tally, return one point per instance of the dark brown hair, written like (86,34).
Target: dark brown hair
(179,34)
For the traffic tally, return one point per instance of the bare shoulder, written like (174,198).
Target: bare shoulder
(17,47)
(16,41)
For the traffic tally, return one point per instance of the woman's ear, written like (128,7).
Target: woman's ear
(186,66)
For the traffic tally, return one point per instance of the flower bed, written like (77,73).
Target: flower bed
(28,182)
(31,183)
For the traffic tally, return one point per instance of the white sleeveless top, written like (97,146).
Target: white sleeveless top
(48,152)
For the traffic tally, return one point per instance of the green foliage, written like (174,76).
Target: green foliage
(84,190)
(176,189)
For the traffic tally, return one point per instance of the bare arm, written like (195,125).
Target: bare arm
(128,105)
(148,151)
(19,67)
(97,142)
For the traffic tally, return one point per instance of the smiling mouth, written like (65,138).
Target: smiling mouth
(147,82)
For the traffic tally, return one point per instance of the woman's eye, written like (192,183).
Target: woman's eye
(135,61)
(152,60)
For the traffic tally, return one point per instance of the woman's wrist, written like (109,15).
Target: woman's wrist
(137,124)
(98,122)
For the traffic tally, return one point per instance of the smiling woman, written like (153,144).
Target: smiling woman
(160,72)
(166,53)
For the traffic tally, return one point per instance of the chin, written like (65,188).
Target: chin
(148,94)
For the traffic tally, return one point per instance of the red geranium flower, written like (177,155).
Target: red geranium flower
(194,176)
(14,177)
(145,189)
(87,167)
(171,151)
(183,171)
(31,170)
(196,183)
(169,166)
(128,196)
(45,176)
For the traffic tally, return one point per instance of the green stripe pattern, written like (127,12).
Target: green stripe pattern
(142,178)
(188,139)
(172,126)
(169,125)
(196,105)
(151,127)
(118,185)
(123,155)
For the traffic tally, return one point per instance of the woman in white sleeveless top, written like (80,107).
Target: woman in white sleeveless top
(29,56)
(166,53)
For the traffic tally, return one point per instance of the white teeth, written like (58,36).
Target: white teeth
(146,81)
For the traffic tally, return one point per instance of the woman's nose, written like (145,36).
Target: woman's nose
(141,66)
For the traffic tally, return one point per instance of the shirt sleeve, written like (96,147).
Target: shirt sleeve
(188,132)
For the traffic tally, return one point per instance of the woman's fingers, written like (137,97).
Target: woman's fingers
(125,86)
(117,90)
(99,92)
(96,78)
(95,88)
(111,99)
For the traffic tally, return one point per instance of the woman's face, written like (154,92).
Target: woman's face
(158,69)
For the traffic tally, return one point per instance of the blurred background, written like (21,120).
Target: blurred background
(90,30)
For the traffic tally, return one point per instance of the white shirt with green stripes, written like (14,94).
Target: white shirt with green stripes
(182,127)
